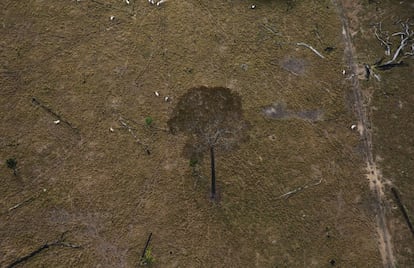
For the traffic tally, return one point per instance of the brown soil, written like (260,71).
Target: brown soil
(76,87)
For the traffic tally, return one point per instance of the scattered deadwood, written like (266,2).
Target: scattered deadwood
(405,35)
(383,37)
(299,189)
(55,115)
(131,131)
(138,80)
(402,208)
(127,122)
(24,202)
(311,48)
(60,242)
(30,199)
(270,29)
(404,49)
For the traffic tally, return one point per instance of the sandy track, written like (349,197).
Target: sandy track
(373,174)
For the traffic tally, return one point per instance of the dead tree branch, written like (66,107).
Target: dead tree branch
(402,208)
(131,131)
(398,51)
(270,29)
(380,35)
(301,188)
(145,248)
(24,202)
(406,41)
(59,242)
(311,48)
(55,115)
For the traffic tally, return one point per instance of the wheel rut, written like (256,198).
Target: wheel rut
(373,173)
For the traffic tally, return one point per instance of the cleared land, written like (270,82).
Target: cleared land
(297,193)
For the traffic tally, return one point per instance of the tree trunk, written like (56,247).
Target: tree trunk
(213,174)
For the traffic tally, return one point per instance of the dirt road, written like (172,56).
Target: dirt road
(373,174)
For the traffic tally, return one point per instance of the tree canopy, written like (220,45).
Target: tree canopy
(211,117)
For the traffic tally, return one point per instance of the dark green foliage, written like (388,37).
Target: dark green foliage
(193,162)
(148,258)
(148,120)
(12,164)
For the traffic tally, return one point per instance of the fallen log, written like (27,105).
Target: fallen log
(402,208)
(59,242)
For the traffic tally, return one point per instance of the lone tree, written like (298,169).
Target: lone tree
(12,164)
(213,120)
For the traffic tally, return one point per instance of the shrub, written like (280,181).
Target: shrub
(148,120)
(148,257)
(12,164)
